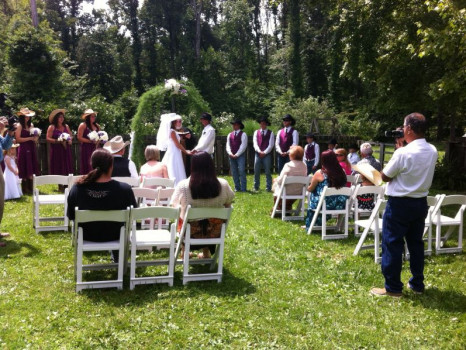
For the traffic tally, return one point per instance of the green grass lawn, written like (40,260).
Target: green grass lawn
(281,289)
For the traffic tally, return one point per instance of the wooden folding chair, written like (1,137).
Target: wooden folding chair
(194,214)
(322,209)
(154,237)
(283,196)
(59,199)
(81,246)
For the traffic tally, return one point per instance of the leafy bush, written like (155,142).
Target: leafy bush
(447,176)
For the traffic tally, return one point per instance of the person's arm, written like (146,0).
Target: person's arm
(386,178)
(20,139)
(244,144)
(49,135)
(68,131)
(132,169)
(254,142)
(164,171)
(393,167)
(277,143)
(317,159)
(295,138)
(318,177)
(228,147)
(80,136)
(177,143)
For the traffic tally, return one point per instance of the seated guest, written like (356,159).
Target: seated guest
(353,154)
(332,144)
(331,175)
(122,167)
(342,158)
(153,166)
(295,167)
(366,155)
(370,177)
(97,191)
(203,189)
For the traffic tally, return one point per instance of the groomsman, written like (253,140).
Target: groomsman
(237,142)
(207,140)
(286,138)
(263,145)
(311,153)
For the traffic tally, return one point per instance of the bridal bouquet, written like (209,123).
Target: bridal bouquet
(93,136)
(35,132)
(103,136)
(175,87)
(64,137)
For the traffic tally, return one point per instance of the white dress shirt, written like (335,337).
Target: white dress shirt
(242,147)
(316,150)
(207,140)
(256,146)
(295,140)
(411,169)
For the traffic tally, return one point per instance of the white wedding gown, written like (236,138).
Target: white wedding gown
(173,159)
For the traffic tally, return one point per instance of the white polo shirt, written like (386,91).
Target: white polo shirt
(411,169)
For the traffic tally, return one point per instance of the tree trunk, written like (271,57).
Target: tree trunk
(197,7)
(35,20)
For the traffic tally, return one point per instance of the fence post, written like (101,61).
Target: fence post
(382,154)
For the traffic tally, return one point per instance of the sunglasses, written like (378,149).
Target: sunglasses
(340,155)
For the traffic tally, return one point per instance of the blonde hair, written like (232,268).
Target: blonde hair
(296,153)
(152,153)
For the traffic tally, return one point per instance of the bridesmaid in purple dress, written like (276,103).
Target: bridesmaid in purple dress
(28,164)
(87,146)
(60,151)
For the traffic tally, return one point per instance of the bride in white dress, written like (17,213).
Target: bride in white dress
(169,138)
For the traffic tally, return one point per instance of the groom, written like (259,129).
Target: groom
(207,139)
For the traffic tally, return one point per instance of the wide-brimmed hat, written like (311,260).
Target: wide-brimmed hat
(54,113)
(310,135)
(265,120)
(332,142)
(26,112)
(369,172)
(237,121)
(206,116)
(88,112)
(288,117)
(116,144)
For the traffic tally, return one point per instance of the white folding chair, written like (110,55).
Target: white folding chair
(132,181)
(165,196)
(376,191)
(154,237)
(322,209)
(194,214)
(72,180)
(49,199)
(145,196)
(451,222)
(81,246)
(283,196)
(157,182)
(372,225)
(353,179)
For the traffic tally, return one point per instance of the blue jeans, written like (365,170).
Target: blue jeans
(265,162)
(281,161)
(238,171)
(310,164)
(403,220)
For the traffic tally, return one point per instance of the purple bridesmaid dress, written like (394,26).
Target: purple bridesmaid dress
(60,157)
(28,164)
(86,153)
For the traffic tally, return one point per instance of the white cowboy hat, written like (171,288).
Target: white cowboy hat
(54,113)
(26,112)
(369,172)
(88,112)
(116,144)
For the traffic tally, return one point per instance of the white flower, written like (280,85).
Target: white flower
(64,137)
(103,136)
(173,85)
(93,136)
(35,131)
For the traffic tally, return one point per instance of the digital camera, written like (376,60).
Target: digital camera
(395,133)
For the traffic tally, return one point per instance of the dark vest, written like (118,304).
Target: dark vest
(235,141)
(286,139)
(310,152)
(263,142)
(120,167)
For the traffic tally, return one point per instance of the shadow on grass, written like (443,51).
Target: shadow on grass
(12,247)
(443,300)
(231,286)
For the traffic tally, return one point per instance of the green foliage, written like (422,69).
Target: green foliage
(447,176)
(157,101)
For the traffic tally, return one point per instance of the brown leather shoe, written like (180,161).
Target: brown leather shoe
(382,292)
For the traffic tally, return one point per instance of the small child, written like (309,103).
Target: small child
(12,181)
(311,153)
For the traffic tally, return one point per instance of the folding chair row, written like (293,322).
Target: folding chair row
(133,236)
(300,184)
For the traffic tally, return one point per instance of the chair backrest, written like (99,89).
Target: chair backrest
(164,197)
(453,199)
(72,180)
(376,190)
(332,191)
(155,212)
(145,193)
(50,180)
(157,182)
(83,216)
(207,213)
(132,181)
(296,180)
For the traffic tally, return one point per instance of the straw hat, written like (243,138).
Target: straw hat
(369,172)
(26,112)
(54,113)
(88,112)
(116,144)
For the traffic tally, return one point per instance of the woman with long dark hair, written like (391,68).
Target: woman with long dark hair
(97,191)
(203,189)
(87,146)
(28,165)
(331,175)
(59,137)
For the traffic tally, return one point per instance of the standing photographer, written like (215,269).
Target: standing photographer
(409,174)
(5,144)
